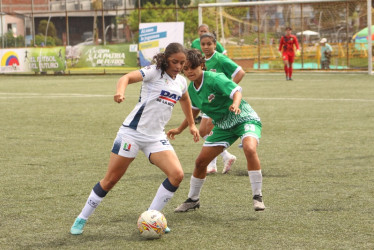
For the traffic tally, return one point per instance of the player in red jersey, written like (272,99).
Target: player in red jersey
(286,46)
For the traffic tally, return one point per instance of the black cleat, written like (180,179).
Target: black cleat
(188,205)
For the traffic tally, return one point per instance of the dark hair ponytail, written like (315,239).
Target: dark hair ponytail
(161,59)
(210,35)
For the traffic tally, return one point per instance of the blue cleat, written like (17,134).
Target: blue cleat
(77,227)
(167,230)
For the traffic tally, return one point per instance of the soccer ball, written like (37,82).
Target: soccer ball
(152,224)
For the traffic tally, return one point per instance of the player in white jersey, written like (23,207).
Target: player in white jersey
(143,129)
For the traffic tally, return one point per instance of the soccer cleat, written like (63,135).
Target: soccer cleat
(290,79)
(188,205)
(78,225)
(211,169)
(287,78)
(167,230)
(258,204)
(227,163)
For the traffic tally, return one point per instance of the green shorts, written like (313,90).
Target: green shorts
(226,137)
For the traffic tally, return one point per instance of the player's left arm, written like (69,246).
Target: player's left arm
(238,76)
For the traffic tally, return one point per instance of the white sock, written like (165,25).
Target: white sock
(225,154)
(92,202)
(161,199)
(255,177)
(214,161)
(196,185)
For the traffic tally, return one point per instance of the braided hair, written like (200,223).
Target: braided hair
(161,59)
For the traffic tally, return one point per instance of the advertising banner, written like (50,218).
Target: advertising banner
(28,60)
(13,61)
(92,56)
(154,37)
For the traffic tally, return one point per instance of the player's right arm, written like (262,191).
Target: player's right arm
(132,77)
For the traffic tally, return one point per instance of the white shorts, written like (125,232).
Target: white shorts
(129,141)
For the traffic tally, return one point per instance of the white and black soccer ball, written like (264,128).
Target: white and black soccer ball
(152,224)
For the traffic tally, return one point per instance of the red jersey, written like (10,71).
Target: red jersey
(287,43)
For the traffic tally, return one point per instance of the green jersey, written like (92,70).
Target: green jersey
(214,98)
(220,63)
(196,45)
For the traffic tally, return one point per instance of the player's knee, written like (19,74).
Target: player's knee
(250,149)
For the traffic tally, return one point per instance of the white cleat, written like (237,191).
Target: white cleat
(227,163)
(258,204)
(211,169)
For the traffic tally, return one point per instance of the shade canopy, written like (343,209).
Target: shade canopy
(308,33)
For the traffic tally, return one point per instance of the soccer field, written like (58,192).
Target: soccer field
(316,151)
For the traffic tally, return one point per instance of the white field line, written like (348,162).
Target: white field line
(308,99)
(4,95)
(47,95)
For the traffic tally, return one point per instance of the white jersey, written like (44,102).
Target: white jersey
(157,98)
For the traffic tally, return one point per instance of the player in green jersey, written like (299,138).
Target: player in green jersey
(221,99)
(203,28)
(217,62)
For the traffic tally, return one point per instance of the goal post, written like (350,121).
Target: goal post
(250,31)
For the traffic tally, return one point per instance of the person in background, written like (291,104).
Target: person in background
(287,51)
(219,63)
(326,53)
(196,43)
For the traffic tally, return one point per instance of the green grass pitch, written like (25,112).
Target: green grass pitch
(316,151)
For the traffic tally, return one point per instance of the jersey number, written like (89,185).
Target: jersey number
(165,142)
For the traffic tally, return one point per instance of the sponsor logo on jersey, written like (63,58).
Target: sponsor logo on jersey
(168,98)
(127,147)
(213,70)
(211,97)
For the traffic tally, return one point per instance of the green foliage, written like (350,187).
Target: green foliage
(43,27)
(181,3)
(51,41)
(12,42)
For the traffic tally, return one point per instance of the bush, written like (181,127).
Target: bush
(12,42)
(51,41)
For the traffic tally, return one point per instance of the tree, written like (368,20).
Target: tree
(52,39)
(181,3)
(51,28)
